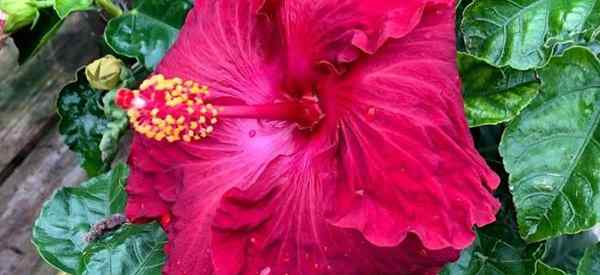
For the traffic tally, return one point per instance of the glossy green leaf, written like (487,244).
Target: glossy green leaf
(117,124)
(83,123)
(522,33)
(552,150)
(59,231)
(565,252)
(65,7)
(148,31)
(132,249)
(590,263)
(494,95)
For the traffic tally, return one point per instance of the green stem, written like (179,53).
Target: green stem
(110,8)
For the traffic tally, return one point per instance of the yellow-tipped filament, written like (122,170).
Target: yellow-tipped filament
(169,109)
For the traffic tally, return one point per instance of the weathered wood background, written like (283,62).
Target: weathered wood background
(33,159)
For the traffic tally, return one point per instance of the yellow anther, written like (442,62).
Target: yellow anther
(203,110)
(202,120)
(146,84)
(209,129)
(180,120)
(193,125)
(160,136)
(213,121)
(190,110)
(187,138)
(169,119)
(154,112)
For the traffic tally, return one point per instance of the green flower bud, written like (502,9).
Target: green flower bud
(19,13)
(104,73)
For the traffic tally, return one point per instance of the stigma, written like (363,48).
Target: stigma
(169,110)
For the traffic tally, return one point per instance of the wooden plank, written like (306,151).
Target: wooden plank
(28,93)
(49,166)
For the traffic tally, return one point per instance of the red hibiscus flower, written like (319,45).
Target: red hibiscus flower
(329,138)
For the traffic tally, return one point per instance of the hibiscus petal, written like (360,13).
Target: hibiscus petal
(225,46)
(336,31)
(279,226)
(409,163)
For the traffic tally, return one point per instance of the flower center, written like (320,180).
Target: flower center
(174,110)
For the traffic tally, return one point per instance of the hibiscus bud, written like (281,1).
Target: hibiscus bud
(104,73)
(17,14)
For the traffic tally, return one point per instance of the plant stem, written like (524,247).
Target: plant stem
(110,8)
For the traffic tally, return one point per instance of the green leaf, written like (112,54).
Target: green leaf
(65,7)
(566,251)
(59,231)
(544,269)
(522,33)
(590,263)
(494,95)
(83,123)
(552,150)
(132,249)
(30,41)
(118,121)
(148,31)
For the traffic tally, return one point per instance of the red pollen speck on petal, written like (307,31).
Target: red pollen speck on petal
(341,145)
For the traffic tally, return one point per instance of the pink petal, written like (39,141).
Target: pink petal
(408,161)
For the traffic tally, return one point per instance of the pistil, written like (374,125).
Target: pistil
(174,110)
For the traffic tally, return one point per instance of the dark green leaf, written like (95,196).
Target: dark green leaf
(115,128)
(552,150)
(566,251)
(148,31)
(30,41)
(132,249)
(59,231)
(522,33)
(590,263)
(494,95)
(544,269)
(83,123)
(460,8)
(65,7)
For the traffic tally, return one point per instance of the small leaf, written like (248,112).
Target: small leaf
(132,249)
(522,33)
(115,128)
(83,123)
(590,263)
(552,150)
(148,31)
(494,95)
(59,231)
(65,7)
